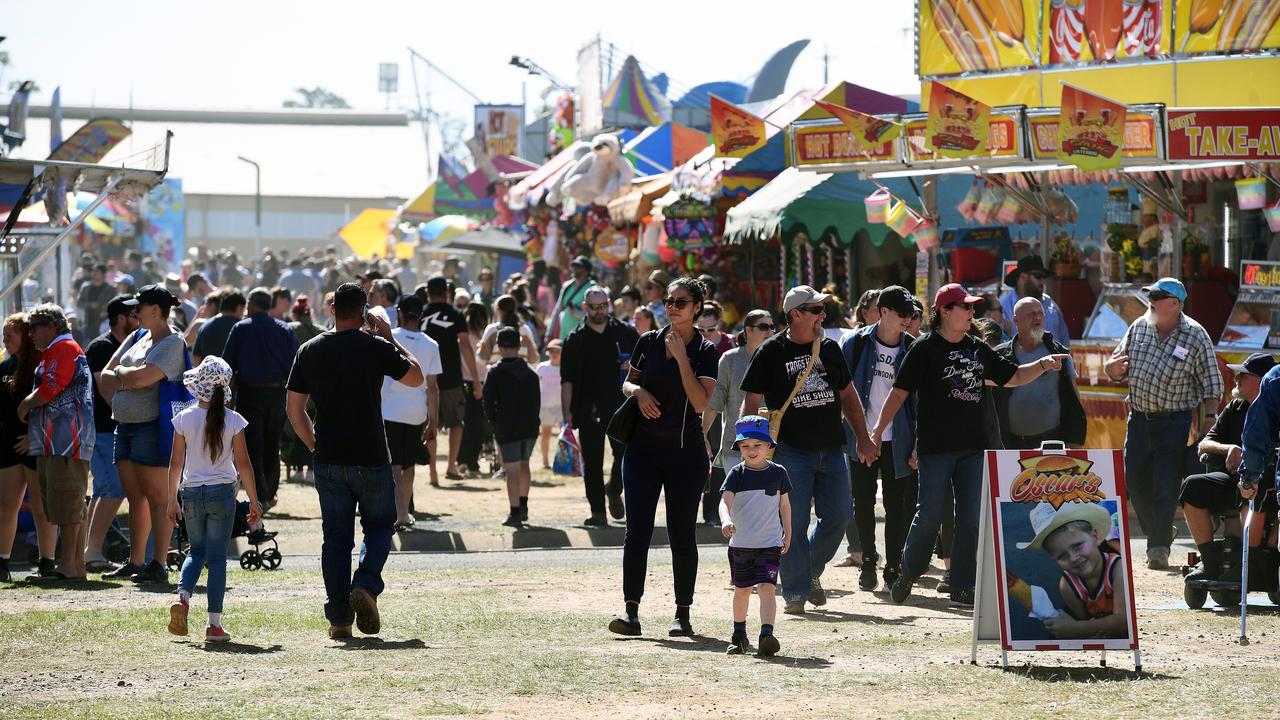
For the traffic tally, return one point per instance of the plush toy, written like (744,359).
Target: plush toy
(598,176)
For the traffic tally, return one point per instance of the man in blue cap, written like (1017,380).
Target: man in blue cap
(1174,391)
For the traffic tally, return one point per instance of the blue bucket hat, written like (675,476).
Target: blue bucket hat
(752,427)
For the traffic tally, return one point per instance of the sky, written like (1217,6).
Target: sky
(235,54)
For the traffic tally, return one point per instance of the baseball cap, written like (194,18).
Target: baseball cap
(410,305)
(119,305)
(371,275)
(802,295)
(1256,364)
(581,261)
(509,337)
(752,427)
(953,293)
(153,295)
(1166,287)
(897,299)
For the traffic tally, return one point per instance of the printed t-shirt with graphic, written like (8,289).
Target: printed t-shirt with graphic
(882,376)
(757,499)
(198,468)
(442,323)
(404,404)
(812,421)
(64,424)
(947,379)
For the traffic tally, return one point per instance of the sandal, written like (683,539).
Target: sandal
(453,476)
(100,566)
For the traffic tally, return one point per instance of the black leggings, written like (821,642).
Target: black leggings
(653,466)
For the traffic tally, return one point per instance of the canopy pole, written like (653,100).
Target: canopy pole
(53,246)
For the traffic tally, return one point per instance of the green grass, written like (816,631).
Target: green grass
(509,643)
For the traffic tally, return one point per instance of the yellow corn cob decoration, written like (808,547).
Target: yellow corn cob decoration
(952,33)
(976,27)
(1204,15)
(1262,18)
(1233,16)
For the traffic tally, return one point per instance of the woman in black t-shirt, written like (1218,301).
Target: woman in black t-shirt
(947,369)
(673,372)
(17,468)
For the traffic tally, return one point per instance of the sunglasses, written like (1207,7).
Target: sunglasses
(596,307)
(678,303)
(1158,296)
(764,327)
(813,309)
(705,329)
(952,306)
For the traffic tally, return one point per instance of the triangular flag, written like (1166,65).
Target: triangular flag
(421,208)
(868,129)
(958,124)
(1090,129)
(734,131)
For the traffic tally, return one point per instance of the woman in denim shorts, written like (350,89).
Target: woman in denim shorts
(135,372)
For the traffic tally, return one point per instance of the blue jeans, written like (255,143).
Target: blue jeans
(106,479)
(343,488)
(1154,455)
(210,514)
(939,472)
(819,478)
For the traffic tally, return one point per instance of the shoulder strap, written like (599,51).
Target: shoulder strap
(804,376)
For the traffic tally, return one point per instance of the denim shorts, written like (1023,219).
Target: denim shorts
(139,443)
(106,479)
(517,450)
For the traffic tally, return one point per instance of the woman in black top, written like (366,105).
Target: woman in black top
(947,369)
(673,372)
(17,468)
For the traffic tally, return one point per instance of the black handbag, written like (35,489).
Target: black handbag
(622,426)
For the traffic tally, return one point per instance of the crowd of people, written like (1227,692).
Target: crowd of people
(782,433)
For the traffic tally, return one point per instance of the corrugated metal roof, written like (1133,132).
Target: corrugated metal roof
(367,158)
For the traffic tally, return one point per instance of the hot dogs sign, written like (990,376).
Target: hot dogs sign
(961,36)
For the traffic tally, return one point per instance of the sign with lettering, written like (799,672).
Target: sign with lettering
(827,144)
(498,129)
(1224,134)
(1056,550)
(1140,138)
(1001,141)
(1259,275)
(957,123)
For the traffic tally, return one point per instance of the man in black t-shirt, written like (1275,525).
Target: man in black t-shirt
(108,493)
(442,323)
(342,369)
(591,391)
(811,439)
(92,299)
(212,338)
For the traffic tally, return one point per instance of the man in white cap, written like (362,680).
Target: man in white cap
(1174,391)
(813,392)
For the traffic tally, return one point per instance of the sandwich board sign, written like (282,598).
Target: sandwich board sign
(1054,571)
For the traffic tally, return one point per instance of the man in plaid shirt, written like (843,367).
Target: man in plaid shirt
(1175,388)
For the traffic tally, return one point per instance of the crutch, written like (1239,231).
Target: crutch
(1244,574)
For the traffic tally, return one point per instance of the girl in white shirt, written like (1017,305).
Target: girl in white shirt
(209,453)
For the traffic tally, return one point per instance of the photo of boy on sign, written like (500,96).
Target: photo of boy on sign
(1065,579)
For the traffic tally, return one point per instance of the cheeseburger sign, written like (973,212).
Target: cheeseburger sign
(1224,134)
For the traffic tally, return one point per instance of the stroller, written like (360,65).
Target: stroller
(255,558)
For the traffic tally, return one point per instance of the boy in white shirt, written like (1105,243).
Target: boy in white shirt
(410,413)
(551,415)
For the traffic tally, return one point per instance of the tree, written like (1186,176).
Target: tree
(316,97)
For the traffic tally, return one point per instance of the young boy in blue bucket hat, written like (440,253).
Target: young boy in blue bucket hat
(755,516)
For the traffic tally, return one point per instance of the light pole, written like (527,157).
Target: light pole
(257,208)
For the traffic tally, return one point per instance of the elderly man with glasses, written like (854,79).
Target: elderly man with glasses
(1175,388)
(811,440)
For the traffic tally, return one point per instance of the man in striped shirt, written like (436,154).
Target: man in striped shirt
(1175,388)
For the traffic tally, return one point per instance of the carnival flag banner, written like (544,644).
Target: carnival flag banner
(868,129)
(1055,556)
(1090,129)
(735,132)
(92,141)
(958,124)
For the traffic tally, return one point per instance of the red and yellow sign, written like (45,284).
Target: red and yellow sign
(1056,479)
(92,141)
(1090,130)
(1265,275)
(957,123)
(826,144)
(734,131)
(1002,140)
(1140,139)
(868,128)
(1232,134)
